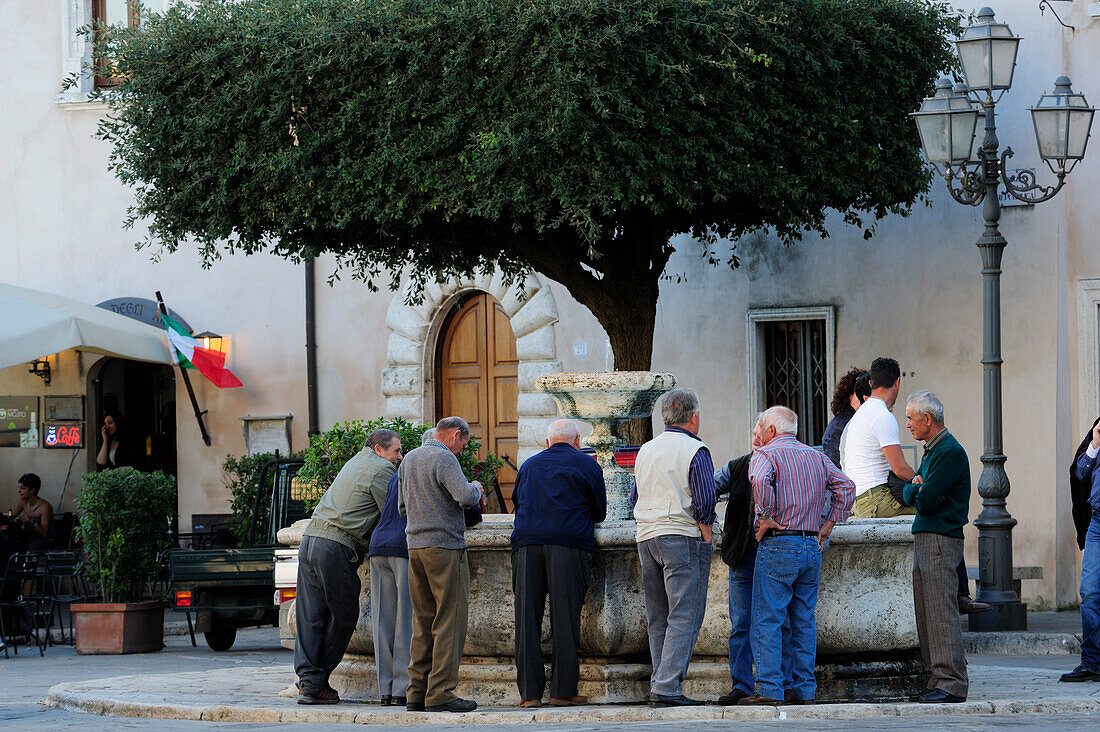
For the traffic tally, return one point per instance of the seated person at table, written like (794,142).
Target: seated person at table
(32,517)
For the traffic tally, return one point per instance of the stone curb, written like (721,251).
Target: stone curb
(1023,643)
(69,696)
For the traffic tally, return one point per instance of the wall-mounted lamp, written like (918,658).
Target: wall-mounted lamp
(209,341)
(41,367)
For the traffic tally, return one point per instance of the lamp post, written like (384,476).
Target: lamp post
(947,125)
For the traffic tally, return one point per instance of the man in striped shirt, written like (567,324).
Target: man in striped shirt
(790,482)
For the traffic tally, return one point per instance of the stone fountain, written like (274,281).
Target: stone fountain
(867,637)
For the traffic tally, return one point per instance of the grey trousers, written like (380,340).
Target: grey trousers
(935,601)
(326,606)
(675,570)
(391,622)
(563,572)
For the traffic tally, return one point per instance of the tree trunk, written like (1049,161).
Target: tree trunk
(629,325)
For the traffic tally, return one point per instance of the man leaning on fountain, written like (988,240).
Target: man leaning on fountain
(940,491)
(333,546)
(559,497)
(674,510)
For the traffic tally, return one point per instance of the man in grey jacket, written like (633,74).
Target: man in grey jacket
(432,495)
(333,546)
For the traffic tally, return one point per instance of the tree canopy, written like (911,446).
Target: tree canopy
(428,138)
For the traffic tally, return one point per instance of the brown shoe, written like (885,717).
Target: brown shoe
(573,701)
(760,701)
(529,703)
(968,606)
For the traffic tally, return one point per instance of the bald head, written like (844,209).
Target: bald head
(563,431)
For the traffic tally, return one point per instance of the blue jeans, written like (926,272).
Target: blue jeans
(741,625)
(1090,597)
(784,589)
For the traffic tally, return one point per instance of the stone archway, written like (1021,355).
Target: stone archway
(407,380)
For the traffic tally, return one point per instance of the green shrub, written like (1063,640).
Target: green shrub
(124,520)
(242,478)
(329,451)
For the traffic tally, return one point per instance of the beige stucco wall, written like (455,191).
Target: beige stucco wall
(913,291)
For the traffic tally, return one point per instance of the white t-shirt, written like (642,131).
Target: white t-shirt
(872,428)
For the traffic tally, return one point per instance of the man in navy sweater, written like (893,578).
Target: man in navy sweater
(559,496)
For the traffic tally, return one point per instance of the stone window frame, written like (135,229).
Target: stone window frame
(754,349)
(1088,358)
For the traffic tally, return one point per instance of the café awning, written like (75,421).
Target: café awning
(36,324)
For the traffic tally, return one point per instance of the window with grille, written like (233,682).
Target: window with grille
(790,354)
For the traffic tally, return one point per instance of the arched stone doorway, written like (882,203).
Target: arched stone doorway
(409,380)
(476,377)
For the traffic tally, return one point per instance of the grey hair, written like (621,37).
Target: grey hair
(679,405)
(429,434)
(925,402)
(382,438)
(784,420)
(453,423)
(562,430)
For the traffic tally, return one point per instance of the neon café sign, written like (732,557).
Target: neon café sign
(64,435)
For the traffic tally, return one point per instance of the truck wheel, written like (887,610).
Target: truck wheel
(221,635)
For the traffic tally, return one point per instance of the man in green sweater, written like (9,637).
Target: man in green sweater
(333,546)
(940,491)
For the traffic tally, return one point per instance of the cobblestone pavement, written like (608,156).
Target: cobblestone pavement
(243,684)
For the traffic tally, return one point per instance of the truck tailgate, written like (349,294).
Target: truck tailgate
(247,566)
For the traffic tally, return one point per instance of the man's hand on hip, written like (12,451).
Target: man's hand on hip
(708,532)
(765,524)
(824,532)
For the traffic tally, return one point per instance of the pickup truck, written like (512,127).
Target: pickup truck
(227,589)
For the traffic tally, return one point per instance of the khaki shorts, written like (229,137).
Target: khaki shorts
(878,503)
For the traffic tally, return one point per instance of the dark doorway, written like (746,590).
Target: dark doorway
(145,395)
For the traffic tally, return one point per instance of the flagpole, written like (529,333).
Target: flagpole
(187,383)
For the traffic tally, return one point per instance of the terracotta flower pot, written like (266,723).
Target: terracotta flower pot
(113,628)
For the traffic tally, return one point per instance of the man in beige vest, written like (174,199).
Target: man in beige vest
(674,509)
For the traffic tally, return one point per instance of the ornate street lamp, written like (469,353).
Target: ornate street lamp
(1062,120)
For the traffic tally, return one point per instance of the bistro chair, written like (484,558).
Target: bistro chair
(20,617)
(66,585)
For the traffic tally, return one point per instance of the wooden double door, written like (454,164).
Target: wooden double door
(477,378)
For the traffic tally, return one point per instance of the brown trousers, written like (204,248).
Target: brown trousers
(439,585)
(935,590)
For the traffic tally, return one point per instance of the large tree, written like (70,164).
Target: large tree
(427,138)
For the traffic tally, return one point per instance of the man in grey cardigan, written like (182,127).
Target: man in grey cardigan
(432,495)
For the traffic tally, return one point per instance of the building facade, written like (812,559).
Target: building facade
(782,327)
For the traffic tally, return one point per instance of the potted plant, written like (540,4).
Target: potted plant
(124,519)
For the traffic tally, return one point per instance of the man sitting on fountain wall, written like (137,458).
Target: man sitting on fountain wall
(333,546)
(432,493)
(559,496)
(790,484)
(940,492)
(674,510)
(872,447)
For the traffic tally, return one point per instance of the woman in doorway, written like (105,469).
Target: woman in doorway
(114,450)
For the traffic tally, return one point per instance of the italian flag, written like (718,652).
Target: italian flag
(187,352)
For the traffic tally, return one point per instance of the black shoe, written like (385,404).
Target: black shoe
(790,698)
(660,700)
(735,695)
(939,696)
(968,606)
(916,695)
(399,701)
(1081,674)
(310,693)
(386,700)
(411,706)
(454,705)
